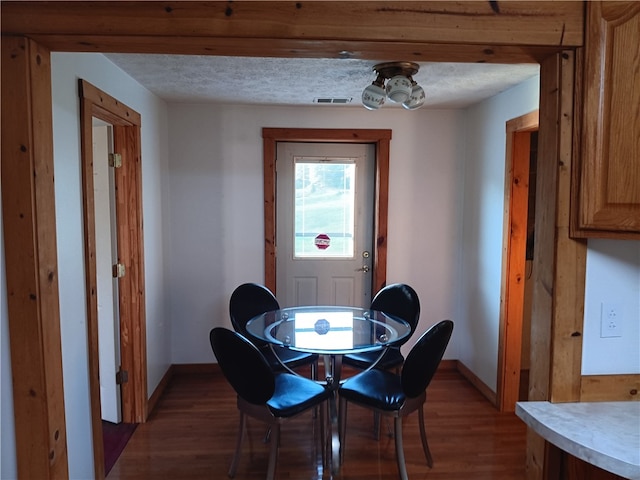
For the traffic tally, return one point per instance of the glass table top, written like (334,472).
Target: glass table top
(329,329)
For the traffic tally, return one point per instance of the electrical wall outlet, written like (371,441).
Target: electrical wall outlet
(611,320)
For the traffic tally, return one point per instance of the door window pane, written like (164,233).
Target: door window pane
(324,208)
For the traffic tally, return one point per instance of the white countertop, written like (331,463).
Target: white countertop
(605,434)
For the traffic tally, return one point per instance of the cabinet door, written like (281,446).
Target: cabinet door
(609,195)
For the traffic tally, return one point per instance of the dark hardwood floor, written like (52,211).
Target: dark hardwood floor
(192,432)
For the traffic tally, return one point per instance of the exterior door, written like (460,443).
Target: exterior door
(324,237)
(107,285)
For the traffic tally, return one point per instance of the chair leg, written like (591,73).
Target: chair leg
(402,468)
(314,377)
(236,456)
(342,426)
(273,451)
(328,439)
(423,436)
(323,436)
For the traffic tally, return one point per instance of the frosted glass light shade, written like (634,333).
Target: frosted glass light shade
(416,99)
(373,97)
(399,89)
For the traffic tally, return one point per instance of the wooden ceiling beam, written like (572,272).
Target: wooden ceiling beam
(431,31)
(278,48)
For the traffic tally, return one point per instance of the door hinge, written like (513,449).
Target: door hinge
(118,270)
(122,376)
(115,160)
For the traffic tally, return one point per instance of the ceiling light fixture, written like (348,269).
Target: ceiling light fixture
(400,88)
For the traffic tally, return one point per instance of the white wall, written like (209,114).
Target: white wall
(216,198)
(481,250)
(613,276)
(613,266)
(66,69)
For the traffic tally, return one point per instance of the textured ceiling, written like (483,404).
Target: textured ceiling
(301,81)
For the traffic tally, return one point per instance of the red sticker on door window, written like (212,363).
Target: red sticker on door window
(322,241)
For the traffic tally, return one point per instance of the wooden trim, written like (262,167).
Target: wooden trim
(610,388)
(570,273)
(108,108)
(101,26)
(524,123)
(125,121)
(299,48)
(544,264)
(195,368)
(482,387)
(544,245)
(381,213)
(178,369)
(558,291)
(381,139)
(28,214)
(133,341)
(269,179)
(448,365)
(335,135)
(159,390)
(516,201)
(578,86)
(91,282)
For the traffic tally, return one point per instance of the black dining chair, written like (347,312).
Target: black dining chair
(264,394)
(399,300)
(251,299)
(395,395)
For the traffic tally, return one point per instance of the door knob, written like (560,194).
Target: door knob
(364,269)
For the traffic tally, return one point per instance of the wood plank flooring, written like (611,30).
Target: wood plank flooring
(192,432)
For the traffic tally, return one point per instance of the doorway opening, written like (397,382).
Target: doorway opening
(106,247)
(129,268)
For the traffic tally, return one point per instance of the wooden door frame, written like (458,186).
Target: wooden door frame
(516,200)
(380,138)
(128,180)
(31,264)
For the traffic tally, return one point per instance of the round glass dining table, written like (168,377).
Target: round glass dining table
(331,331)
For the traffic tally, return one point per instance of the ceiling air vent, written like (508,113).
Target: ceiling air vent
(332,100)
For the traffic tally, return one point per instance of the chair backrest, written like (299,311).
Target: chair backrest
(425,356)
(399,300)
(242,364)
(247,301)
